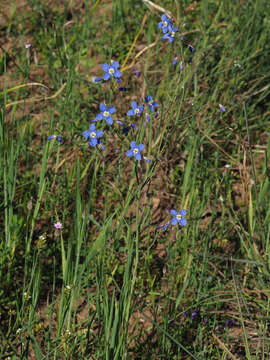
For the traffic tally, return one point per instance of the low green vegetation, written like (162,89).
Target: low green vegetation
(157,249)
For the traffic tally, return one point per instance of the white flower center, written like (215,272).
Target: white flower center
(164,23)
(150,102)
(93,134)
(136,111)
(111,71)
(178,217)
(135,151)
(106,113)
(172,34)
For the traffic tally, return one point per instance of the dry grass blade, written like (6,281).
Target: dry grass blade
(159,8)
(38,99)
(223,347)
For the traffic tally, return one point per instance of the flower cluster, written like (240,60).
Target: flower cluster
(168,29)
(60,140)
(93,135)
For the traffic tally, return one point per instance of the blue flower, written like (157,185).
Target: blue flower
(93,134)
(135,150)
(54,136)
(181,66)
(126,130)
(136,110)
(100,145)
(194,314)
(222,108)
(175,60)
(164,24)
(105,113)
(166,226)
(191,48)
(111,70)
(146,159)
(163,226)
(151,103)
(179,218)
(171,34)
(96,79)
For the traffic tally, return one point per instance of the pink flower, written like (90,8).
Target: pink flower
(58,225)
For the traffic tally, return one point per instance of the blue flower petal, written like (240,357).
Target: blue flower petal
(99,133)
(130,113)
(165,226)
(174,212)
(86,134)
(105,67)
(99,117)
(129,153)
(134,105)
(164,17)
(141,147)
(138,157)
(183,212)
(93,142)
(111,110)
(183,222)
(92,127)
(133,144)
(115,64)
(109,120)
(102,107)
(174,221)
(165,37)
(222,108)
(106,76)
(117,74)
